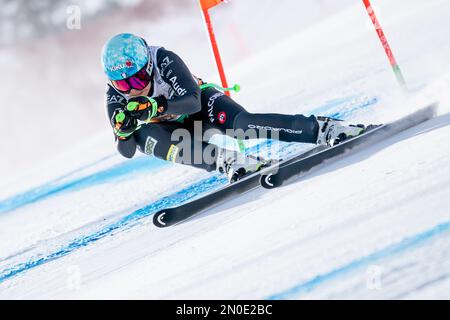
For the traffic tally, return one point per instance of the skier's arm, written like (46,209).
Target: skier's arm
(186,99)
(114,104)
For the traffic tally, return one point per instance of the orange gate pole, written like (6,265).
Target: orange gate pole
(205,6)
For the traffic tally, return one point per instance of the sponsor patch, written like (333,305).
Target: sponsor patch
(127,64)
(176,87)
(150,144)
(114,98)
(211,101)
(222,117)
(165,63)
(172,153)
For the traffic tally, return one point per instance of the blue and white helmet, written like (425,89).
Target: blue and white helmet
(124,55)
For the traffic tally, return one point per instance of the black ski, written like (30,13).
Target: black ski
(174,215)
(278,173)
(278,176)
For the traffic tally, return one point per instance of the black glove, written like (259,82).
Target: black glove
(145,108)
(124,123)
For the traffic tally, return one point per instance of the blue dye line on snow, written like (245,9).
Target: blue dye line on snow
(402,246)
(8,201)
(186,194)
(57,186)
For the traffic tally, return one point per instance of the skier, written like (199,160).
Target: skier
(151,93)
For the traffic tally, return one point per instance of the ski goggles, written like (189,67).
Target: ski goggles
(137,81)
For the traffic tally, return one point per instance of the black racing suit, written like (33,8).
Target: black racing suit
(185,105)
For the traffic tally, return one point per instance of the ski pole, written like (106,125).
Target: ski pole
(235,88)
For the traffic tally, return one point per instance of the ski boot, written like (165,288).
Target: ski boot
(332,131)
(237,165)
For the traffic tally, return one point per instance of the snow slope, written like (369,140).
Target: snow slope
(375,224)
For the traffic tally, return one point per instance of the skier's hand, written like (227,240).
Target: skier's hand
(124,123)
(145,108)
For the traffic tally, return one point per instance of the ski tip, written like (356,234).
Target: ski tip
(159,219)
(269,181)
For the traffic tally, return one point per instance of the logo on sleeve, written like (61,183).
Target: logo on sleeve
(172,153)
(150,145)
(180,91)
(164,64)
